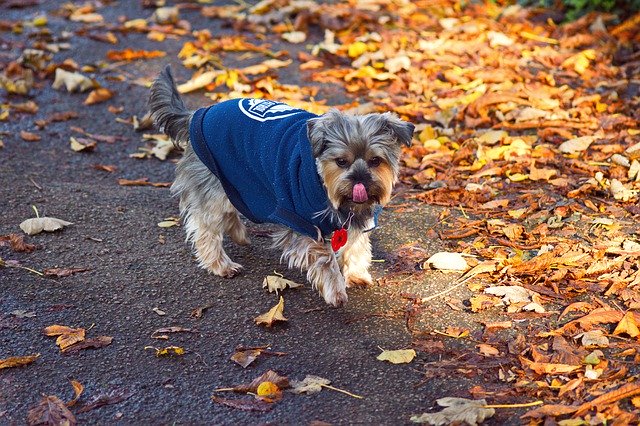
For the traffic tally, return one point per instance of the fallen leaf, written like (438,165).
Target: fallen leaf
(447,261)
(281,382)
(245,358)
(62,272)
(73,81)
(36,225)
(92,343)
(21,313)
(115,396)
(310,385)
(458,410)
(593,338)
(627,325)
(511,294)
(50,411)
(245,404)
(275,314)
(132,55)
(160,332)
(67,336)
(576,144)
(18,361)
(167,351)
(399,356)
(17,243)
(143,182)
(98,95)
(276,283)
(82,144)
(487,350)
(29,136)
(78,388)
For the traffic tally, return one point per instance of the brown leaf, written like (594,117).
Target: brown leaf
(50,411)
(245,404)
(17,361)
(624,391)
(157,334)
(275,314)
(105,168)
(92,343)
(269,376)
(115,396)
(78,388)
(16,242)
(550,410)
(548,368)
(245,358)
(62,272)
(143,182)
(29,137)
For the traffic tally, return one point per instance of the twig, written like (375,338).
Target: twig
(35,184)
(449,290)
(527,404)
(224,390)
(342,391)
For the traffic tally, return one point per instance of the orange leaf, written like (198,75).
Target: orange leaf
(132,55)
(627,325)
(98,95)
(17,361)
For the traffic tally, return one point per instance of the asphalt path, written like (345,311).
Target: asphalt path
(137,269)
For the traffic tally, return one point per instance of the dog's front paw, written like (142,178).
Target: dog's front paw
(358,280)
(226,270)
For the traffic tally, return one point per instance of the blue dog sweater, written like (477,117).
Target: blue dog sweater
(260,152)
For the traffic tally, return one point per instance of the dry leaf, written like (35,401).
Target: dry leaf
(50,411)
(62,272)
(399,356)
(576,144)
(143,182)
(627,325)
(73,81)
(458,411)
(132,55)
(92,343)
(38,224)
(67,336)
(275,314)
(245,358)
(276,283)
(17,243)
(511,294)
(310,385)
(447,261)
(82,144)
(18,361)
(78,388)
(29,136)
(98,95)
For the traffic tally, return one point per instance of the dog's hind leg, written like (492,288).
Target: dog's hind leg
(204,207)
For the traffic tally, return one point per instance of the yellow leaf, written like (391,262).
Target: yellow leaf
(275,314)
(517,177)
(267,389)
(169,350)
(516,214)
(627,326)
(40,21)
(78,388)
(400,356)
(356,49)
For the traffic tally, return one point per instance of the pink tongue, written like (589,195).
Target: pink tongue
(359,193)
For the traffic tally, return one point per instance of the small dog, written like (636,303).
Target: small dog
(317,176)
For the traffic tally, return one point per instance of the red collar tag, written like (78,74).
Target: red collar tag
(339,239)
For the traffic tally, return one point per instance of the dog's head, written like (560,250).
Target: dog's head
(357,157)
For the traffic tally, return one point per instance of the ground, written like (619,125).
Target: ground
(141,277)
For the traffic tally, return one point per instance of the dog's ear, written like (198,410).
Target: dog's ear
(401,129)
(315,133)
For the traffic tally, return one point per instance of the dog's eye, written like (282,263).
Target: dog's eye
(342,162)
(375,162)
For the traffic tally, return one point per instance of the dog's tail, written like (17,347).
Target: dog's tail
(167,109)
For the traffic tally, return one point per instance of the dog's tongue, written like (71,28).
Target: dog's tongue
(359,193)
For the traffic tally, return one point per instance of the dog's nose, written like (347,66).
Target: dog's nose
(360,173)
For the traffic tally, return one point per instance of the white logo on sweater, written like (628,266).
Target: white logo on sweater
(263,110)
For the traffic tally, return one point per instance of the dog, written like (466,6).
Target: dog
(322,178)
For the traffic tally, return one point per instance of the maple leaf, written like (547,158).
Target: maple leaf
(276,283)
(274,314)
